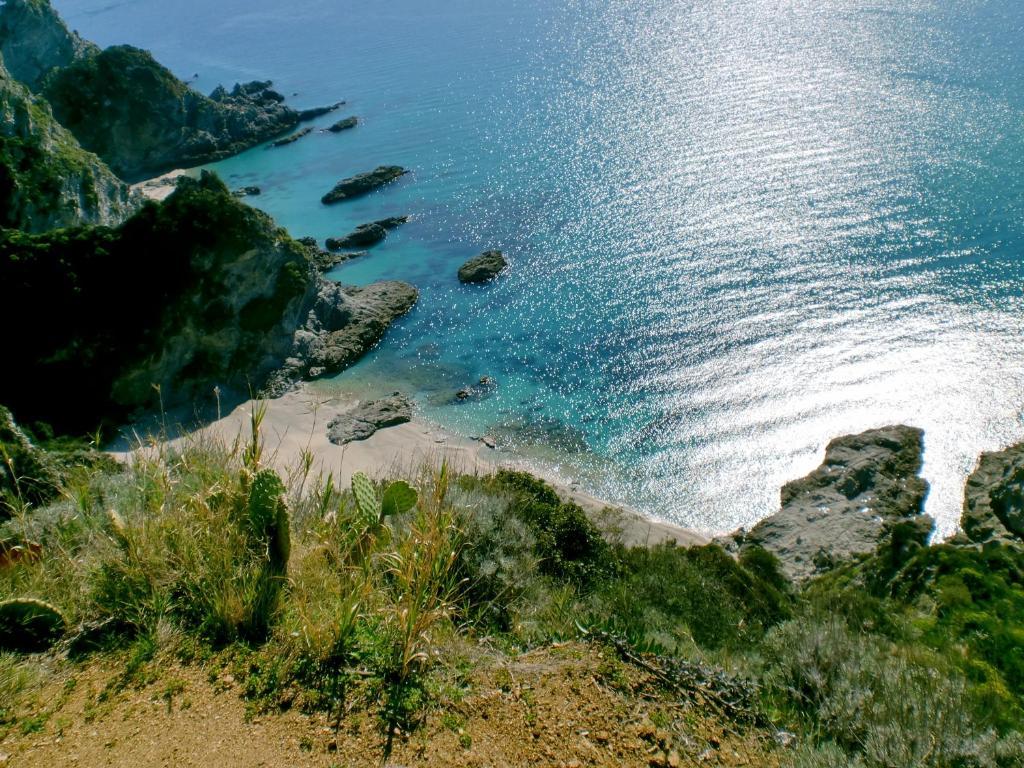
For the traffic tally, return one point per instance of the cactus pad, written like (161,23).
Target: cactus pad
(399,497)
(366,499)
(29,625)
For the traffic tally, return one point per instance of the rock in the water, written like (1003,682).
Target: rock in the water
(344,125)
(994,498)
(247,192)
(363,183)
(365,235)
(482,268)
(315,112)
(291,139)
(29,625)
(366,418)
(866,484)
(362,236)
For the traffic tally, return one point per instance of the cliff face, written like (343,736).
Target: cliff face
(125,106)
(34,41)
(227,298)
(46,179)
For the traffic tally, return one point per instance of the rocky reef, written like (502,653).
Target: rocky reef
(46,179)
(124,106)
(867,484)
(236,298)
(363,421)
(363,183)
(994,498)
(480,269)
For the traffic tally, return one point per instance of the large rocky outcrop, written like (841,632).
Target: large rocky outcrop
(867,484)
(994,498)
(227,297)
(364,419)
(121,104)
(34,41)
(46,179)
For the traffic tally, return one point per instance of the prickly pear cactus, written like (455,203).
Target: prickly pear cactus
(366,498)
(29,625)
(398,498)
(268,517)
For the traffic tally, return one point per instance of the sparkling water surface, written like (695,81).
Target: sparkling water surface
(737,228)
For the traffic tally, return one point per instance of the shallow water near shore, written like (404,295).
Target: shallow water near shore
(737,228)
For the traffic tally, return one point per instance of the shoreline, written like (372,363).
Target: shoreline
(296,423)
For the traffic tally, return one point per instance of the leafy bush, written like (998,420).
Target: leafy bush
(885,704)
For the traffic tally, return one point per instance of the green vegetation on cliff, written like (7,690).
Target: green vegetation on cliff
(227,299)
(46,179)
(330,599)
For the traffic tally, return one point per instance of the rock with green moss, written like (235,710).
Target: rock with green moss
(46,179)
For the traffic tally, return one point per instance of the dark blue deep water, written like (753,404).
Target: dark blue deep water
(737,228)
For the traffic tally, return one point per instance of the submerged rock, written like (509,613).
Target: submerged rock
(247,192)
(482,268)
(363,183)
(344,124)
(994,498)
(367,418)
(290,139)
(484,388)
(867,483)
(365,235)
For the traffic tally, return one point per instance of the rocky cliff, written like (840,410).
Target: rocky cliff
(867,484)
(227,298)
(129,109)
(34,41)
(46,179)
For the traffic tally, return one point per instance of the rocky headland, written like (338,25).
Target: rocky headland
(128,109)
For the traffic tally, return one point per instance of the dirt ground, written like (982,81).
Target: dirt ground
(565,706)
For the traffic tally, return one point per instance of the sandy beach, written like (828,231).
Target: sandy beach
(297,423)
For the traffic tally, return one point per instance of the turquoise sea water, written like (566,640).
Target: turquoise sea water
(737,228)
